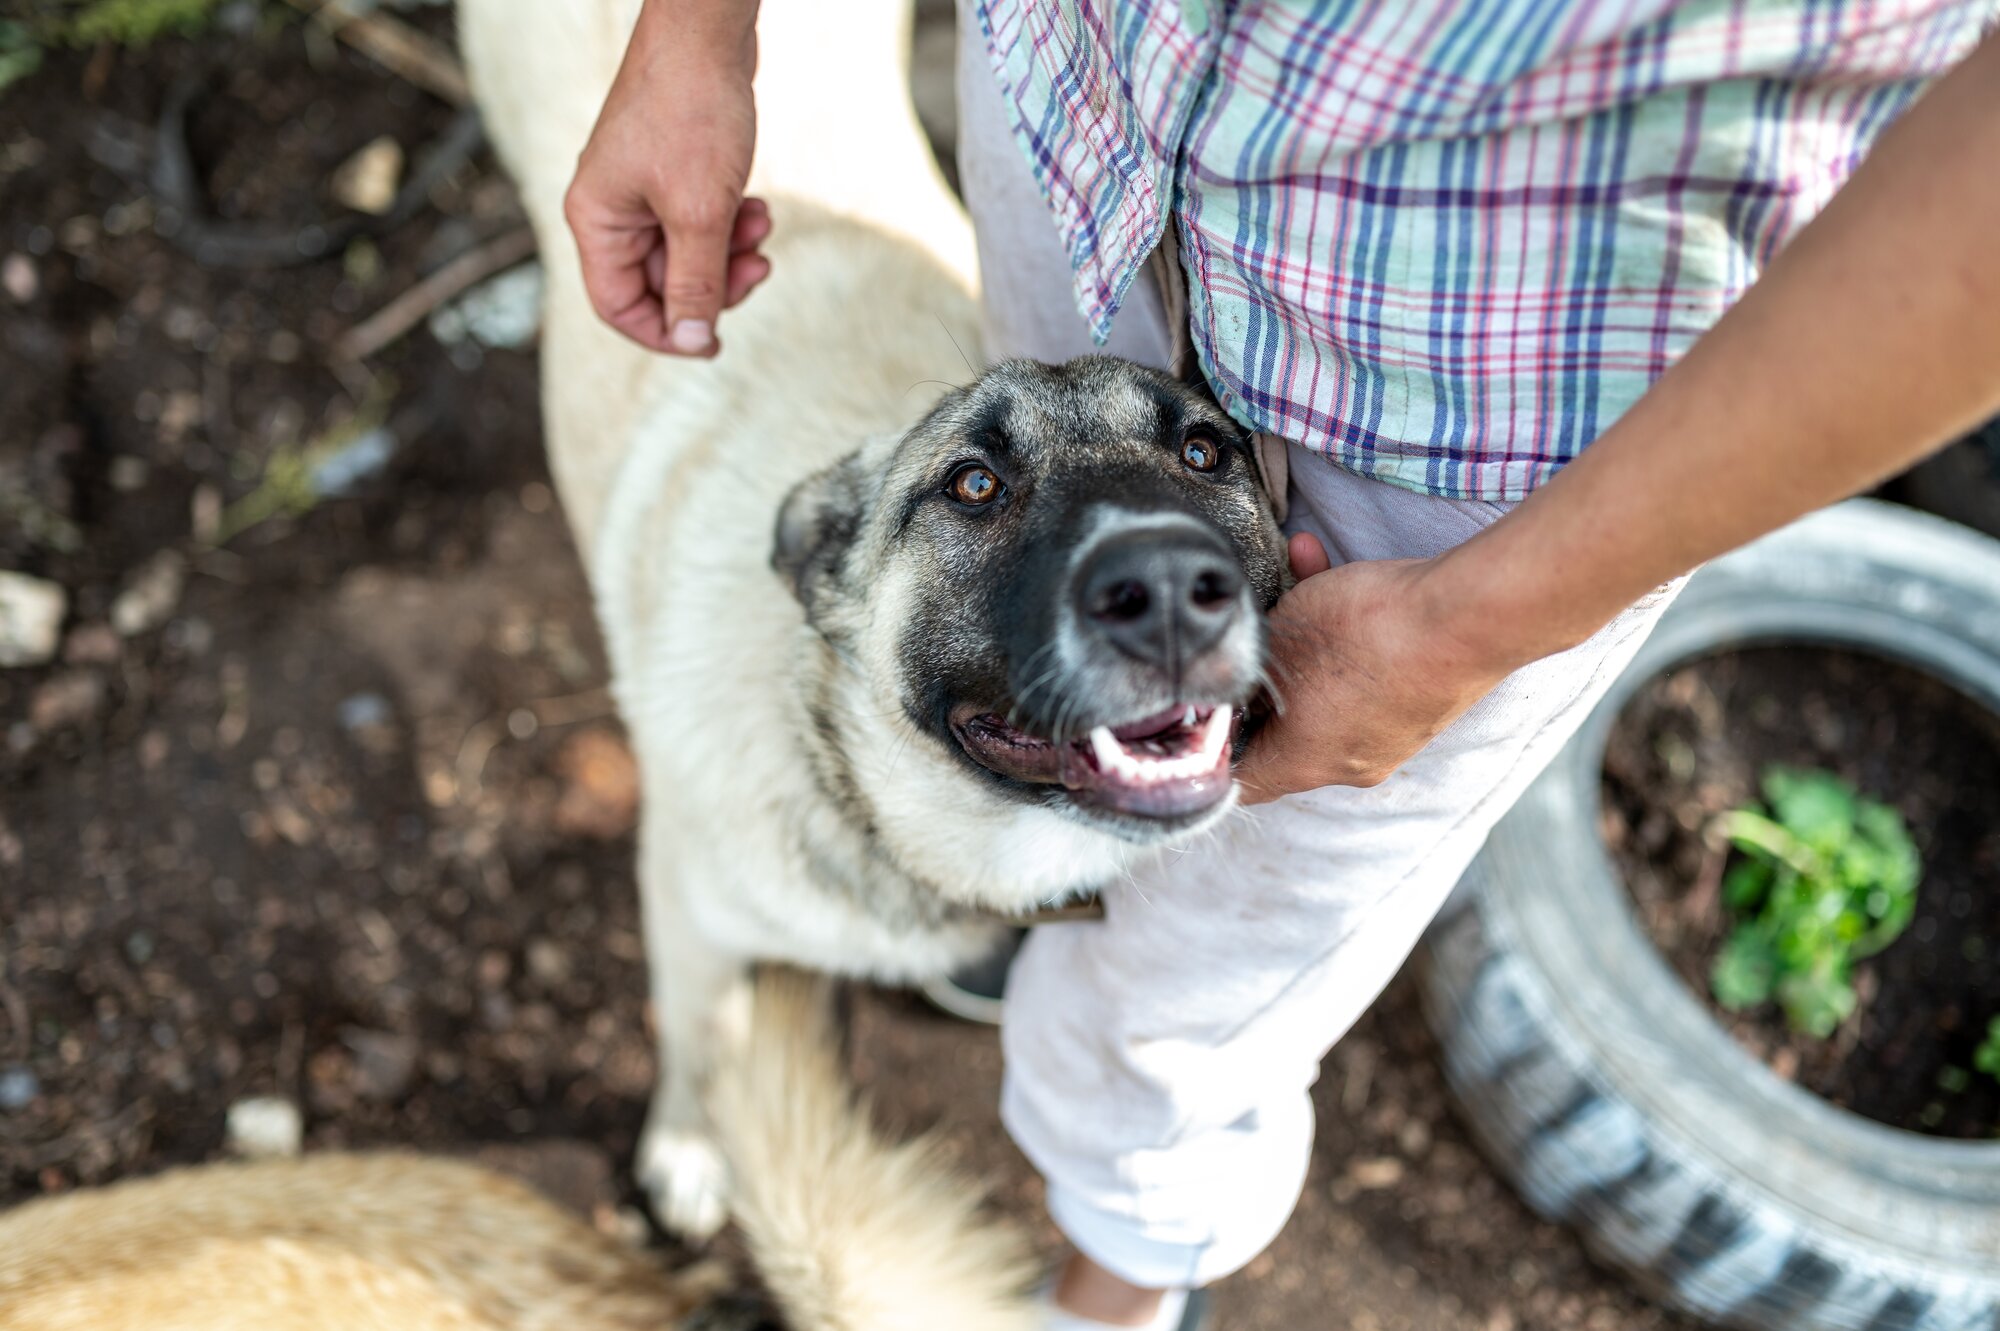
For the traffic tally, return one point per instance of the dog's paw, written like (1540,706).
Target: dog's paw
(686,1179)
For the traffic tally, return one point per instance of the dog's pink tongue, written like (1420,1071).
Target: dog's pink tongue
(1163,719)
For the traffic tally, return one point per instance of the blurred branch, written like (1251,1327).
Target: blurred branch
(398,47)
(406,311)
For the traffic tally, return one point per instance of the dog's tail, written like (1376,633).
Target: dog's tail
(835,126)
(849,1232)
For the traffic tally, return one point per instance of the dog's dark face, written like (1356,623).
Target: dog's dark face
(1062,573)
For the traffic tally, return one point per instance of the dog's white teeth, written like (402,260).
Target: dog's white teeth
(1188,717)
(1105,745)
(1216,737)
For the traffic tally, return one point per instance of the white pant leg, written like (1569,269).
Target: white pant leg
(1158,1061)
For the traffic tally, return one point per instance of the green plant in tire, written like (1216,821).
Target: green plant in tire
(1827,878)
(1986,1058)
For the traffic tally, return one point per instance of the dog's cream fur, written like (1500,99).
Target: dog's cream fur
(849,1234)
(673,473)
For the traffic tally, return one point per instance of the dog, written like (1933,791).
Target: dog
(847,1233)
(906,648)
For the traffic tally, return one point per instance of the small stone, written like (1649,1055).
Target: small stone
(129,474)
(92,644)
(70,699)
(1376,1174)
(31,615)
(151,595)
(264,1127)
(600,796)
(366,182)
(18,1088)
(19,278)
(548,961)
(503,311)
(364,711)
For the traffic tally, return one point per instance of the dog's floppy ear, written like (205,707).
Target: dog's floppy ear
(816,524)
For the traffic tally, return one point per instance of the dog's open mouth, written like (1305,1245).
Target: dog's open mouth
(1168,765)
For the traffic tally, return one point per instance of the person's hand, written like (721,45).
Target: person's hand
(667,239)
(1367,670)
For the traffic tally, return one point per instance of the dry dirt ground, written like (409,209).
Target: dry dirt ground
(342,815)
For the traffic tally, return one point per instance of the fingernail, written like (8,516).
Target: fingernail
(691,336)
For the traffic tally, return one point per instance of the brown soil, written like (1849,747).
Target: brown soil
(1693,744)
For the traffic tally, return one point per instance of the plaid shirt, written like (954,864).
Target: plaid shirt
(1447,242)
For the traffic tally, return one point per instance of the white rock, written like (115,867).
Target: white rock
(31,616)
(151,595)
(503,311)
(265,1127)
(366,182)
(19,278)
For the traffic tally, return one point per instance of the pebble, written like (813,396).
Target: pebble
(151,595)
(366,182)
(503,311)
(19,278)
(70,699)
(600,796)
(361,711)
(18,1088)
(1373,1175)
(31,615)
(264,1127)
(353,462)
(92,644)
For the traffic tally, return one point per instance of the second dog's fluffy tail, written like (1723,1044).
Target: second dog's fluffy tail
(849,1232)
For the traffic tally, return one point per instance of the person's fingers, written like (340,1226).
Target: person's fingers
(699,224)
(613,245)
(1308,556)
(745,272)
(753,226)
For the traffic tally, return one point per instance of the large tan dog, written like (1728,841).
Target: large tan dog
(848,1234)
(899,658)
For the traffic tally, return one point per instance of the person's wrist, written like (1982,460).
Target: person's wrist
(1490,621)
(710,35)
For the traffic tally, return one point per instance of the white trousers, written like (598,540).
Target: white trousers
(1158,1061)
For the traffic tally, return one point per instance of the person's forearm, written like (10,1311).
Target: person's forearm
(726,28)
(1871,340)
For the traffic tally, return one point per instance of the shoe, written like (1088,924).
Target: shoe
(972,992)
(1192,1315)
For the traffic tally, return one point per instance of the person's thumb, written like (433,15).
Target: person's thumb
(1308,556)
(697,225)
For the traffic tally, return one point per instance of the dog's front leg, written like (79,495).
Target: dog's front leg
(701,1012)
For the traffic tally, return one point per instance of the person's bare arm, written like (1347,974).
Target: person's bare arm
(1871,340)
(667,239)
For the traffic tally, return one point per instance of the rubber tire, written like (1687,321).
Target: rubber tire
(1598,1082)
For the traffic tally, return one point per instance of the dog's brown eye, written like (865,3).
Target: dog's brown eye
(975,485)
(1200,452)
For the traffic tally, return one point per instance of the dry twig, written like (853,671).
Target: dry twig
(398,47)
(406,311)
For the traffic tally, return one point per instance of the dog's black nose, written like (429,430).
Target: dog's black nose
(1162,597)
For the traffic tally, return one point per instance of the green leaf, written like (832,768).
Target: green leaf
(1986,1057)
(1755,834)
(20,53)
(1744,886)
(1744,971)
(1815,1004)
(1817,807)
(1828,878)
